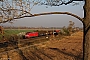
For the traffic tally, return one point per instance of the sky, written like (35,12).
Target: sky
(50,20)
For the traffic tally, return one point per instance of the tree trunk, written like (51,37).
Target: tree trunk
(87,30)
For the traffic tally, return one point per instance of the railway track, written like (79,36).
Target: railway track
(31,41)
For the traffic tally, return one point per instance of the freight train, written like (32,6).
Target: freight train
(40,33)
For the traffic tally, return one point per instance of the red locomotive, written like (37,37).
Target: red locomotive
(31,34)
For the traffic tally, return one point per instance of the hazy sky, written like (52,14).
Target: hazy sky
(51,20)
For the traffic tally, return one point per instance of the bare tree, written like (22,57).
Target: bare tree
(71,25)
(86,23)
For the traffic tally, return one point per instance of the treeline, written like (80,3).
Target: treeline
(32,27)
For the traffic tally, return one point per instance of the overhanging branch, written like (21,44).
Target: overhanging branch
(48,13)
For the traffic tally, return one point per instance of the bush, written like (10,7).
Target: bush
(65,32)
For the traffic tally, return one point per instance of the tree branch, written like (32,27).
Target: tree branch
(48,13)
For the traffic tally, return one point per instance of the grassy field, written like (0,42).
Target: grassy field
(9,32)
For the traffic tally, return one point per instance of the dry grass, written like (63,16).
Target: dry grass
(67,48)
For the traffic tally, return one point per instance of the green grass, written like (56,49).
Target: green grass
(10,32)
